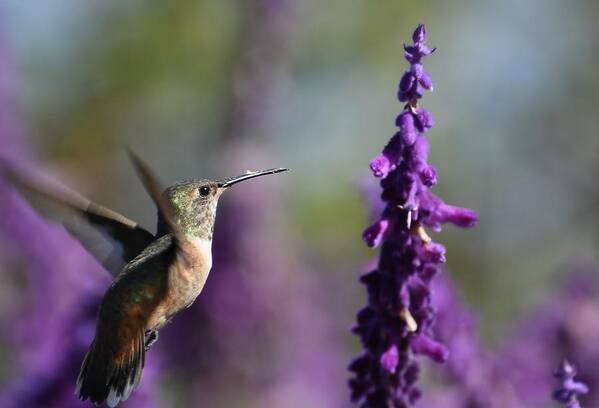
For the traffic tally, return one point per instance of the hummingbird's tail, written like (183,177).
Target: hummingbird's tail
(110,372)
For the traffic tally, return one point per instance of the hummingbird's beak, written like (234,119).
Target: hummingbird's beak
(250,174)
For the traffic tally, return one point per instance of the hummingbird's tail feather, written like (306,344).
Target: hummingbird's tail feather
(111,375)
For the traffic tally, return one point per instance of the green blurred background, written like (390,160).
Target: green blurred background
(515,104)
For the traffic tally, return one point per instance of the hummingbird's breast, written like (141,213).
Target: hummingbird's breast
(186,278)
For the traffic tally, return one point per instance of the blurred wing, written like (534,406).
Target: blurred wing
(165,207)
(110,237)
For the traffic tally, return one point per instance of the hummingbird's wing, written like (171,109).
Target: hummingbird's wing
(109,236)
(165,207)
(113,366)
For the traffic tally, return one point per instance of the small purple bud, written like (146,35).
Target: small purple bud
(429,272)
(407,82)
(424,120)
(578,387)
(428,176)
(381,166)
(427,51)
(407,87)
(407,129)
(417,70)
(422,344)
(423,77)
(390,359)
(417,91)
(419,293)
(419,35)
(458,216)
(374,234)
(569,389)
(410,54)
(414,53)
(434,252)
(425,80)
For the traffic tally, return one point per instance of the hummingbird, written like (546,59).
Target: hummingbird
(156,276)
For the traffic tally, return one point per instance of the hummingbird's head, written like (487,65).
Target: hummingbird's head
(195,201)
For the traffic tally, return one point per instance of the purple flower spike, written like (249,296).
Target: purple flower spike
(396,326)
(569,389)
(426,81)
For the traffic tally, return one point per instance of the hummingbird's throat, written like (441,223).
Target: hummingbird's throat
(198,222)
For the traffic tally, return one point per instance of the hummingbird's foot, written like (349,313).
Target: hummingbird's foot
(151,339)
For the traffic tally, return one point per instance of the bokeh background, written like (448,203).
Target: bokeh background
(210,89)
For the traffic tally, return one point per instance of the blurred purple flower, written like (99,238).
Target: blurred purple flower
(516,376)
(565,324)
(471,376)
(52,322)
(260,71)
(569,389)
(399,316)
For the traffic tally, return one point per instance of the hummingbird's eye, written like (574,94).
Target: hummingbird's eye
(204,191)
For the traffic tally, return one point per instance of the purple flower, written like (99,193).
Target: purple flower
(438,213)
(374,234)
(51,324)
(406,122)
(569,389)
(564,324)
(422,344)
(471,377)
(397,323)
(381,165)
(389,359)
(54,324)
